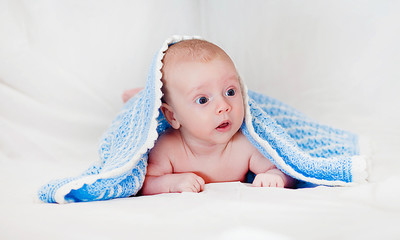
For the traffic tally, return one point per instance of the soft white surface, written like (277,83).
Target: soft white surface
(64,65)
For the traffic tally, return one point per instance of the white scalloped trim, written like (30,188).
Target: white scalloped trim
(359,169)
(152,137)
(277,157)
(362,165)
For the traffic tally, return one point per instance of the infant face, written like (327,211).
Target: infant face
(206,98)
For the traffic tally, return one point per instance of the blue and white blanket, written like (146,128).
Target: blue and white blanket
(300,147)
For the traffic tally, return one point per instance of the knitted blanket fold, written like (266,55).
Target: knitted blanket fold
(300,147)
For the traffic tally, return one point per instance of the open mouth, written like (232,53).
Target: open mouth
(224,126)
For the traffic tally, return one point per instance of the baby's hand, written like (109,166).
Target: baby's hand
(268,180)
(186,182)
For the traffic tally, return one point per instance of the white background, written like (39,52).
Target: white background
(64,65)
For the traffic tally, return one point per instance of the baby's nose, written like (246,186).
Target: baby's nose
(223,107)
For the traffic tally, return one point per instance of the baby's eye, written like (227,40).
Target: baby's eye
(202,100)
(231,92)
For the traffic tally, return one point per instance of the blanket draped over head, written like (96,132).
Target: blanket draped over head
(297,145)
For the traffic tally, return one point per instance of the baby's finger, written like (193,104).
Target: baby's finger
(256,183)
(196,187)
(201,183)
(280,183)
(189,189)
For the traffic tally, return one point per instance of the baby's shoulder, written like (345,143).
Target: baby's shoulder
(243,143)
(162,154)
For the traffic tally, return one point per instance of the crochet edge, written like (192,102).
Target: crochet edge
(152,135)
(361,165)
(357,167)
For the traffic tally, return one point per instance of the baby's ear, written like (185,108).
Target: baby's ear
(169,115)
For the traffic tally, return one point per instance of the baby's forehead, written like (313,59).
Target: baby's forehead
(190,51)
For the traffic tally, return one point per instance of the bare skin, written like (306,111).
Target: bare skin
(226,164)
(204,106)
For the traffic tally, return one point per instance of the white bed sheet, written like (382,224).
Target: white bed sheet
(64,64)
(222,211)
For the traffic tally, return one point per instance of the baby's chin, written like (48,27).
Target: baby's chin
(224,135)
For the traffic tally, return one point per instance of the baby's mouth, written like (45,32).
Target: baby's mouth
(224,125)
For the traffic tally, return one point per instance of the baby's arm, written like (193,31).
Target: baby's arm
(267,175)
(160,177)
(172,182)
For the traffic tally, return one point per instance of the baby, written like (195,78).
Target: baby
(203,102)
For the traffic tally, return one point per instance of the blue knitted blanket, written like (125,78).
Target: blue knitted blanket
(300,147)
